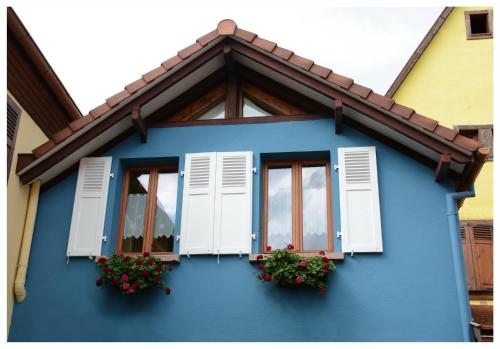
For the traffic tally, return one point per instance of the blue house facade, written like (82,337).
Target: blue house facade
(398,275)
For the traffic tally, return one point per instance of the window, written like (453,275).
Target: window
(13,113)
(147,220)
(216,112)
(251,109)
(477,244)
(479,24)
(480,133)
(297,205)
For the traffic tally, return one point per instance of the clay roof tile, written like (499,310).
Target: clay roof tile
(340,80)
(207,38)
(153,74)
(80,123)
(282,53)
(188,51)
(382,101)
(171,62)
(61,135)
(264,44)
(136,85)
(98,111)
(245,34)
(117,98)
(226,27)
(467,143)
(302,62)
(402,111)
(320,71)
(423,121)
(446,132)
(360,90)
(44,148)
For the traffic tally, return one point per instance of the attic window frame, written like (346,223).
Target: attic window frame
(489,24)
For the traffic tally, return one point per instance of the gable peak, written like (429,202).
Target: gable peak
(226,27)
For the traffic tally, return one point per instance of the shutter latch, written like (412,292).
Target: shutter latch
(178,237)
(254,170)
(112,175)
(339,234)
(105,238)
(335,168)
(254,237)
(182,173)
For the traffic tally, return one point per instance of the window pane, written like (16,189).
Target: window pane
(279,212)
(166,204)
(217,112)
(252,109)
(314,214)
(133,231)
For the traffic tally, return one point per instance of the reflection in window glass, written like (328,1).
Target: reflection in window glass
(133,231)
(252,109)
(217,112)
(279,220)
(166,202)
(314,208)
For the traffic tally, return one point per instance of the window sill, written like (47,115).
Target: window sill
(334,256)
(175,258)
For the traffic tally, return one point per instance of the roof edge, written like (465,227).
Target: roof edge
(25,40)
(419,51)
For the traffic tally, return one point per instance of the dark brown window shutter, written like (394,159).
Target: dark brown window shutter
(482,250)
(13,116)
(469,266)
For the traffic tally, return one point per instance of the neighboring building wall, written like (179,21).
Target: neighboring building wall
(29,136)
(407,293)
(453,83)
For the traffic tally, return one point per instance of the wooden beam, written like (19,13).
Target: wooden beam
(442,168)
(139,124)
(339,116)
(232,93)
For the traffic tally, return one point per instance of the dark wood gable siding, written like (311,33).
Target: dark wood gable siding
(13,117)
(32,91)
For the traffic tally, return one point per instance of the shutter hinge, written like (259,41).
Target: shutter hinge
(254,236)
(112,175)
(339,234)
(177,238)
(254,170)
(335,168)
(182,173)
(105,238)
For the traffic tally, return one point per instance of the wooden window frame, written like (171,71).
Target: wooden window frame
(297,212)
(489,24)
(150,207)
(12,142)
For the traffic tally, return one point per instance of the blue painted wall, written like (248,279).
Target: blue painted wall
(405,294)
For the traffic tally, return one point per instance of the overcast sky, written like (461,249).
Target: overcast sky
(96,50)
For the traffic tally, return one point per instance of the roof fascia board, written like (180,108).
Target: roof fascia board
(210,51)
(336,92)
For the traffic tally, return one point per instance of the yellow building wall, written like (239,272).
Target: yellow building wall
(453,82)
(29,136)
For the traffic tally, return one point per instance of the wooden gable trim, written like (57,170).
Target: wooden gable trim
(121,112)
(351,101)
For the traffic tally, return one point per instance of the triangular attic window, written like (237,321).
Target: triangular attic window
(250,109)
(217,112)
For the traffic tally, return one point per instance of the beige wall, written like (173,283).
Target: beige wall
(29,136)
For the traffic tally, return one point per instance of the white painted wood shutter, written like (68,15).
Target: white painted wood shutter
(233,203)
(89,207)
(197,223)
(359,200)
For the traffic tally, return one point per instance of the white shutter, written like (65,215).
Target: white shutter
(197,223)
(359,200)
(89,207)
(233,203)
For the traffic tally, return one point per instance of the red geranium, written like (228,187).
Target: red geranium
(107,269)
(150,262)
(145,272)
(302,264)
(125,285)
(146,254)
(114,282)
(138,261)
(259,257)
(298,280)
(322,290)
(324,270)
(268,277)
(99,282)
(158,268)
(102,260)
(136,283)
(157,278)
(127,258)
(261,267)
(119,251)
(167,291)
(268,248)
(325,259)
(125,277)
(290,247)
(322,253)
